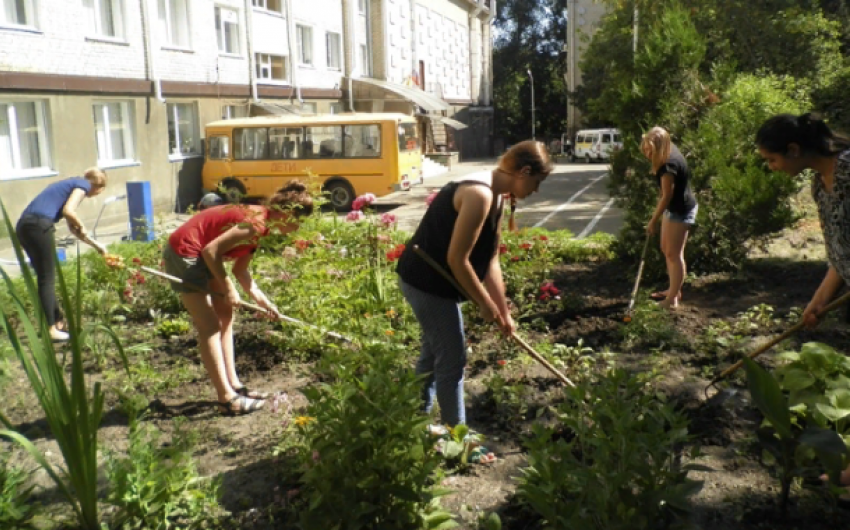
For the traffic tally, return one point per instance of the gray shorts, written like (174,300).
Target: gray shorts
(192,271)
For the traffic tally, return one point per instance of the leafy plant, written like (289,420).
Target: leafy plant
(787,442)
(16,509)
(158,487)
(369,460)
(71,412)
(173,327)
(649,324)
(612,460)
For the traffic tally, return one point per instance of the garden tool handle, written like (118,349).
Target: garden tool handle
(838,302)
(639,273)
(539,358)
(246,305)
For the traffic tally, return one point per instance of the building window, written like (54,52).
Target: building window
(227,29)
(230,112)
(269,5)
(24,149)
(183,132)
(304,35)
(174,22)
(17,13)
(113,132)
(271,67)
(107,17)
(364,61)
(336,108)
(333,41)
(309,108)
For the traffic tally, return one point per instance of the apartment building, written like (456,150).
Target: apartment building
(129,84)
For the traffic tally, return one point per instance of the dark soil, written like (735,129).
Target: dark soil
(739,494)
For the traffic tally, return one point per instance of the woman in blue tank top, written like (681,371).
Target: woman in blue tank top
(36,229)
(460,231)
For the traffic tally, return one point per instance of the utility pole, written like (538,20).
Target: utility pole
(531,77)
(635,32)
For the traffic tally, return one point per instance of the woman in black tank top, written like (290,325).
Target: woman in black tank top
(460,231)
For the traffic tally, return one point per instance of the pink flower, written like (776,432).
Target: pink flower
(388,220)
(354,216)
(431,197)
(364,200)
(357,205)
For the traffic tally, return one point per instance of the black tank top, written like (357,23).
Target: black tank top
(434,235)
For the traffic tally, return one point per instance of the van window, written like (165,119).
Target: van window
(606,138)
(285,142)
(618,139)
(580,139)
(219,148)
(251,144)
(407,140)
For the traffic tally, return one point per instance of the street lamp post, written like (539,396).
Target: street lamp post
(531,77)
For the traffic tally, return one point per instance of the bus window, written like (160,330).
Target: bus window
(606,138)
(219,148)
(251,144)
(323,142)
(407,140)
(285,143)
(362,141)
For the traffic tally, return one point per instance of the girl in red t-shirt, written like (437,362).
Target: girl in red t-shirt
(196,253)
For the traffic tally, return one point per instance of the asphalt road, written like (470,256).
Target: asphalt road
(574,197)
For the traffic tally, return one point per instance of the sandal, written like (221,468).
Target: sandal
(662,295)
(244,391)
(240,405)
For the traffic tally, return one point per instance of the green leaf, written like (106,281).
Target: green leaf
(768,397)
(797,379)
(823,440)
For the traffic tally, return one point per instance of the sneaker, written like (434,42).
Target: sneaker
(59,336)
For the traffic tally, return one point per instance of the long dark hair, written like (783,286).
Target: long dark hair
(808,131)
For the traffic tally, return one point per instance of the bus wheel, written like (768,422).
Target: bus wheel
(341,194)
(233,191)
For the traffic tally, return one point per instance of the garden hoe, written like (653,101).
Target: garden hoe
(724,394)
(637,280)
(539,358)
(247,305)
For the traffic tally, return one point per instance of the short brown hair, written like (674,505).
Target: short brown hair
(528,153)
(96,176)
(294,197)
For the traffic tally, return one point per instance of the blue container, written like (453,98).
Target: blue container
(140,203)
(60,254)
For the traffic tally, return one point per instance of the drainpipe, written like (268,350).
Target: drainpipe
(148,35)
(252,58)
(489,50)
(474,54)
(290,38)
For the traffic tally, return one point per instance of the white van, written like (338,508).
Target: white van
(596,145)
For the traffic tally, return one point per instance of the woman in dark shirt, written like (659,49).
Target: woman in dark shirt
(461,232)
(676,204)
(36,230)
(793,144)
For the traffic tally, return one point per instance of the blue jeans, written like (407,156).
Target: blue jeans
(443,355)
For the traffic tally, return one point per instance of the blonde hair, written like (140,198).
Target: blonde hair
(655,145)
(96,176)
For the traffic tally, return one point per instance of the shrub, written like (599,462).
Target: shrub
(16,510)
(368,458)
(157,487)
(611,461)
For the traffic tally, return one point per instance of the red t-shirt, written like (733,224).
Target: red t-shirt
(199,231)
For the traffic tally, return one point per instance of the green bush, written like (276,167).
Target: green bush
(368,458)
(611,461)
(157,487)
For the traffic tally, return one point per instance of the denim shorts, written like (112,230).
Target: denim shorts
(688,218)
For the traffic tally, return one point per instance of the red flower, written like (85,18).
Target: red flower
(140,279)
(514,258)
(302,244)
(525,246)
(503,249)
(501,362)
(137,261)
(395,253)
(542,238)
(548,290)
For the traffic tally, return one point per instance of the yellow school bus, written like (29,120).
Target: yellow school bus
(352,154)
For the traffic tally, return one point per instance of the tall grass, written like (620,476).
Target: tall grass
(72,412)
